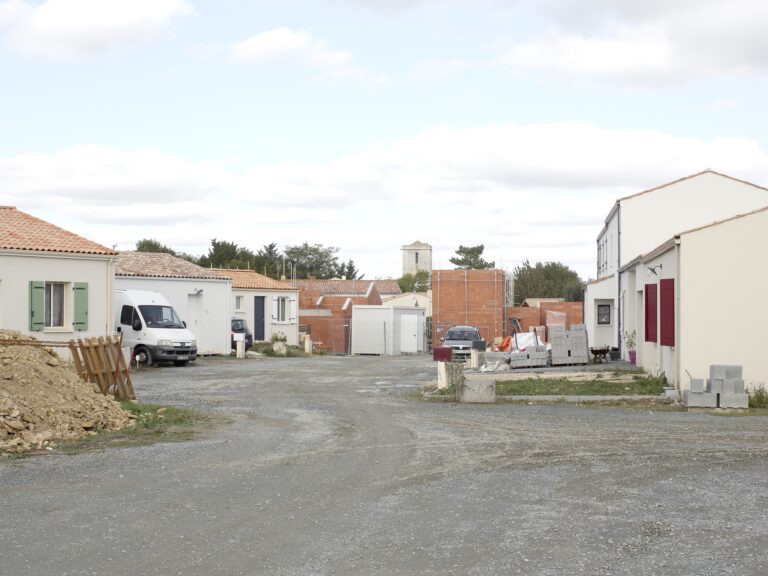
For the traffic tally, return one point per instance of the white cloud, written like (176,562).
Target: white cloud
(299,46)
(642,42)
(536,191)
(74,27)
(434,70)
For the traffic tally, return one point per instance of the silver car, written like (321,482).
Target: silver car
(461,338)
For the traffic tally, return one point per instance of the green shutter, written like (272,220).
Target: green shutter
(36,306)
(81,307)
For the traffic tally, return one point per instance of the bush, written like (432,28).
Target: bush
(278,337)
(758,396)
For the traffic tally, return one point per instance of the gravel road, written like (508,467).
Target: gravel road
(333,466)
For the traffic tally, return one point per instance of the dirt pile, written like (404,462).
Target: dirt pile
(42,400)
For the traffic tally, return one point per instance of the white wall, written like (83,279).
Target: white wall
(608,247)
(377,329)
(652,356)
(648,220)
(723,313)
(17,270)
(210,322)
(601,292)
(290,328)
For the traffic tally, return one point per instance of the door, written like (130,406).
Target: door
(193,316)
(258,318)
(408,331)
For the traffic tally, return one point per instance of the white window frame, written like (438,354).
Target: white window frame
(66,307)
(283,309)
(239,302)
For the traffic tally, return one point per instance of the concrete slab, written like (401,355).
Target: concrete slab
(700,399)
(478,392)
(734,401)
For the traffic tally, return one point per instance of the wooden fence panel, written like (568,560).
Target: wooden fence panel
(100,361)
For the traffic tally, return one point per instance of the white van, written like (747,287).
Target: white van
(153,330)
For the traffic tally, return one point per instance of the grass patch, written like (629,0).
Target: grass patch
(154,423)
(641,385)
(746,412)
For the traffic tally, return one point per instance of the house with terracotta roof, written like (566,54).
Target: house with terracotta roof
(680,300)
(637,224)
(325,307)
(200,296)
(54,284)
(270,307)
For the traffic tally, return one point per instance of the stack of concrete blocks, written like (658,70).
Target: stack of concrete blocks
(533,357)
(569,346)
(723,389)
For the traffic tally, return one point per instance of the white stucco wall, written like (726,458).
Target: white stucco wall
(603,291)
(204,304)
(607,255)
(246,311)
(723,316)
(652,356)
(18,269)
(648,220)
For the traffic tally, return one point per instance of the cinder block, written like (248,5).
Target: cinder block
(733,372)
(738,386)
(578,328)
(700,399)
(717,372)
(478,391)
(715,385)
(697,385)
(734,401)
(729,387)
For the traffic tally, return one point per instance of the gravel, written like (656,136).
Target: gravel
(334,466)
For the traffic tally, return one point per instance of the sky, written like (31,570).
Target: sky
(370,124)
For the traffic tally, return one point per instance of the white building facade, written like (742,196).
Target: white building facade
(638,224)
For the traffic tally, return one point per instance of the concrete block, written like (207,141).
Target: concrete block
(738,386)
(700,399)
(729,387)
(715,385)
(733,372)
(734,401)
(697,385)
(478,391)
(578,328)
(716,372)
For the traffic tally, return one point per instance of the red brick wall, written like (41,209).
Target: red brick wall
(574,311)
(526,315)
(332,332)
(468,297)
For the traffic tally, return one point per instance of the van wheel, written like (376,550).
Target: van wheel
(143,357)
(180,362)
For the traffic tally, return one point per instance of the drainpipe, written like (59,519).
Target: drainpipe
(618,278)
(466,298)
(678,290)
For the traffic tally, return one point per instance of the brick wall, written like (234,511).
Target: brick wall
(332,332)
(468,297)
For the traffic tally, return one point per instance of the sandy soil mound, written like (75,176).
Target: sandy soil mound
(42,400)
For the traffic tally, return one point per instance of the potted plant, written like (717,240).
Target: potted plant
(629,342)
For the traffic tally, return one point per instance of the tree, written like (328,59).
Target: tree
(223,254)
(349,271)
(418,282)
(470,258)
(313,260)
(149,245)
(548,280)
(269,260)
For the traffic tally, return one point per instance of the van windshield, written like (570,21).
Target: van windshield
(160,316)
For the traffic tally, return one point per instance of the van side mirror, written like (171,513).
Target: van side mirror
(118,330)
(136,324)
(183,323)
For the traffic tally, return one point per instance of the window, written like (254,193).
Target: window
(667,312)
(603,314)
(238,302)
(58,306)
(417,259)
(650,312)
(54,305)
(282,309)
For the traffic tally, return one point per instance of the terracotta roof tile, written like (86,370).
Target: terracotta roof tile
(159,265)
(349,287)
(20,231)
(250,280)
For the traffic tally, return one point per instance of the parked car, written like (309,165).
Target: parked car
(461,339)
(240,326)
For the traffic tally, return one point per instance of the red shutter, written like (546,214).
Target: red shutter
(650,312)
(667,307)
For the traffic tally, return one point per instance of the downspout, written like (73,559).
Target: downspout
(110,297)
(618,278)
(466,298)
(678,290)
